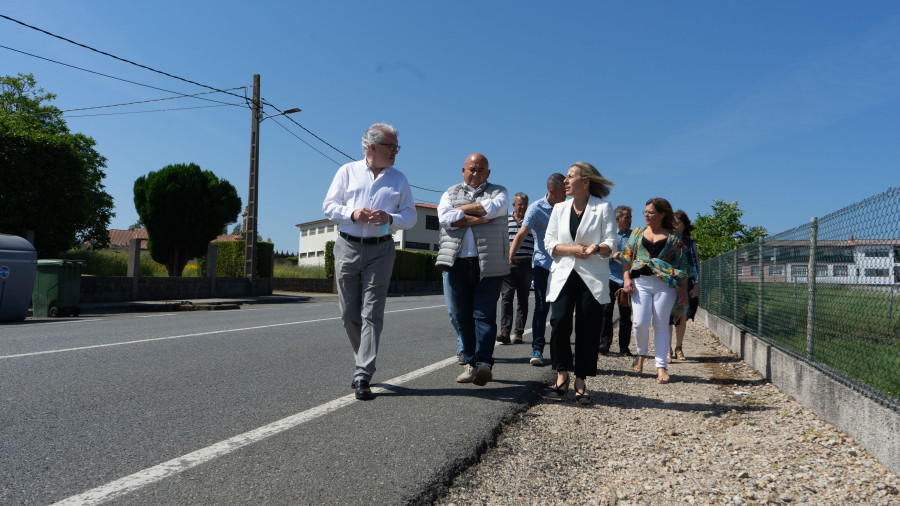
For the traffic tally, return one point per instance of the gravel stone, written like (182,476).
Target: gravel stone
(719,433)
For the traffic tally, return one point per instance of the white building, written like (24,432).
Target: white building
(422,237)
(857,262)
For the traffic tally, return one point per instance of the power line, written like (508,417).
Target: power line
(426,189)
(116,57)
(168,75)
(141,112)
(304,142)
(308,131)
(114,77)
(147,101)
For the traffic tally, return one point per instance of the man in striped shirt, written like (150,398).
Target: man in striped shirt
(518,282)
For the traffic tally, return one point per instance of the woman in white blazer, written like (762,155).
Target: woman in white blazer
(580,237)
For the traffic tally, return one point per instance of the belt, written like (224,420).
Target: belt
(366,240)
(520,260)
(468,259)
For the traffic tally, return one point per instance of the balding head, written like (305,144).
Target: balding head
(475,171)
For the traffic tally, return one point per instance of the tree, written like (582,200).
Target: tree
(236,230)
(723,231)
(51,178)
(183,208)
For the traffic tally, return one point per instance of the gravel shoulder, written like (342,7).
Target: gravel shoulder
(719,433)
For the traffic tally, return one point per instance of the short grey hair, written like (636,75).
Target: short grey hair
(621,210)
(375,134)
(522,196)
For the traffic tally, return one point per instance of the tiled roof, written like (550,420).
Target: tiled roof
(227,238)
(120,238)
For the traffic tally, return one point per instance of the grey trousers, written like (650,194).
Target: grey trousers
(363,272)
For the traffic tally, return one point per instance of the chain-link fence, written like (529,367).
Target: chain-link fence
(827,292)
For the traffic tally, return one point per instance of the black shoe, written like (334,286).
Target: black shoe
(626,353)
(363,392)
(604,352)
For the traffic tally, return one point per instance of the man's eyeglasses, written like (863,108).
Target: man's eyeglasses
(393,147)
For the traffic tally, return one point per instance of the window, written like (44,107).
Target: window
(432,223)
(839,270)
(776,270)
(897,274)
(330,228)
(437,247)
(320,253)
(418,245)
(821,271)
(754,270)
(876,273)
(876,252)
(304,233)
(798,271)
(740,270)
(303,255)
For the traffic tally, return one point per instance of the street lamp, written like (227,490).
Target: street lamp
(253,195)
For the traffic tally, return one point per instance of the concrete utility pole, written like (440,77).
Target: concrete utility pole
(250,228)
(253,194)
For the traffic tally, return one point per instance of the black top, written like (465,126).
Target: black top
(654,248)
(574,221)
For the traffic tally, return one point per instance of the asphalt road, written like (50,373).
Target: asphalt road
(245,406)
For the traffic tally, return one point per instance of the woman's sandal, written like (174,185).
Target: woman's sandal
(558,392)
(638,369)
(582,397)
(659,376)
(679,354)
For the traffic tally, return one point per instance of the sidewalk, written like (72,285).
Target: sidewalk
(216,304)
(719,433)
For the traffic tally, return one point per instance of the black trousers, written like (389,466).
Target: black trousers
(515,284)
(606,330)
(575,298)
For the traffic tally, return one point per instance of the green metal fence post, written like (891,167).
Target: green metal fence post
(734,289)
(811,288)
(759,321)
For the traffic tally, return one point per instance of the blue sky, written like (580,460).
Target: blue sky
(790,108)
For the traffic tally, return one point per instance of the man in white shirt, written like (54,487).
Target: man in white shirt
(370,200)
(473,251)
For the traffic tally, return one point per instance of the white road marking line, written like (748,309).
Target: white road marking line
(133,482)
(64,322)
(198,334)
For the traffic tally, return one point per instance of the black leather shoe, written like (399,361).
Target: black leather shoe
(626,353)
(363,392)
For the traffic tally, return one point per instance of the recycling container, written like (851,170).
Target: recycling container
(18,262)
(57,288)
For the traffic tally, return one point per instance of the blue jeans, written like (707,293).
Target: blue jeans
(475,309)
(449,303)
(539,321)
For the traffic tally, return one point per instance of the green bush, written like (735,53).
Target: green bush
(230,259)
(415,266)
(329,259)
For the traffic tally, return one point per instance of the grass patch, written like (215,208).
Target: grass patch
(856,328)
(115,263)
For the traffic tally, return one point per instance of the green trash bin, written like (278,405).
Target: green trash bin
(57,288)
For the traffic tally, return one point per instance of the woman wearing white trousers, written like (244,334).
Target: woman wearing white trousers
(655,270)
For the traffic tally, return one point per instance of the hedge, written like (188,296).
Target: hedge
(408,265)
(230,259)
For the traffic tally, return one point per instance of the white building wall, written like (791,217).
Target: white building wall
(314,235)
